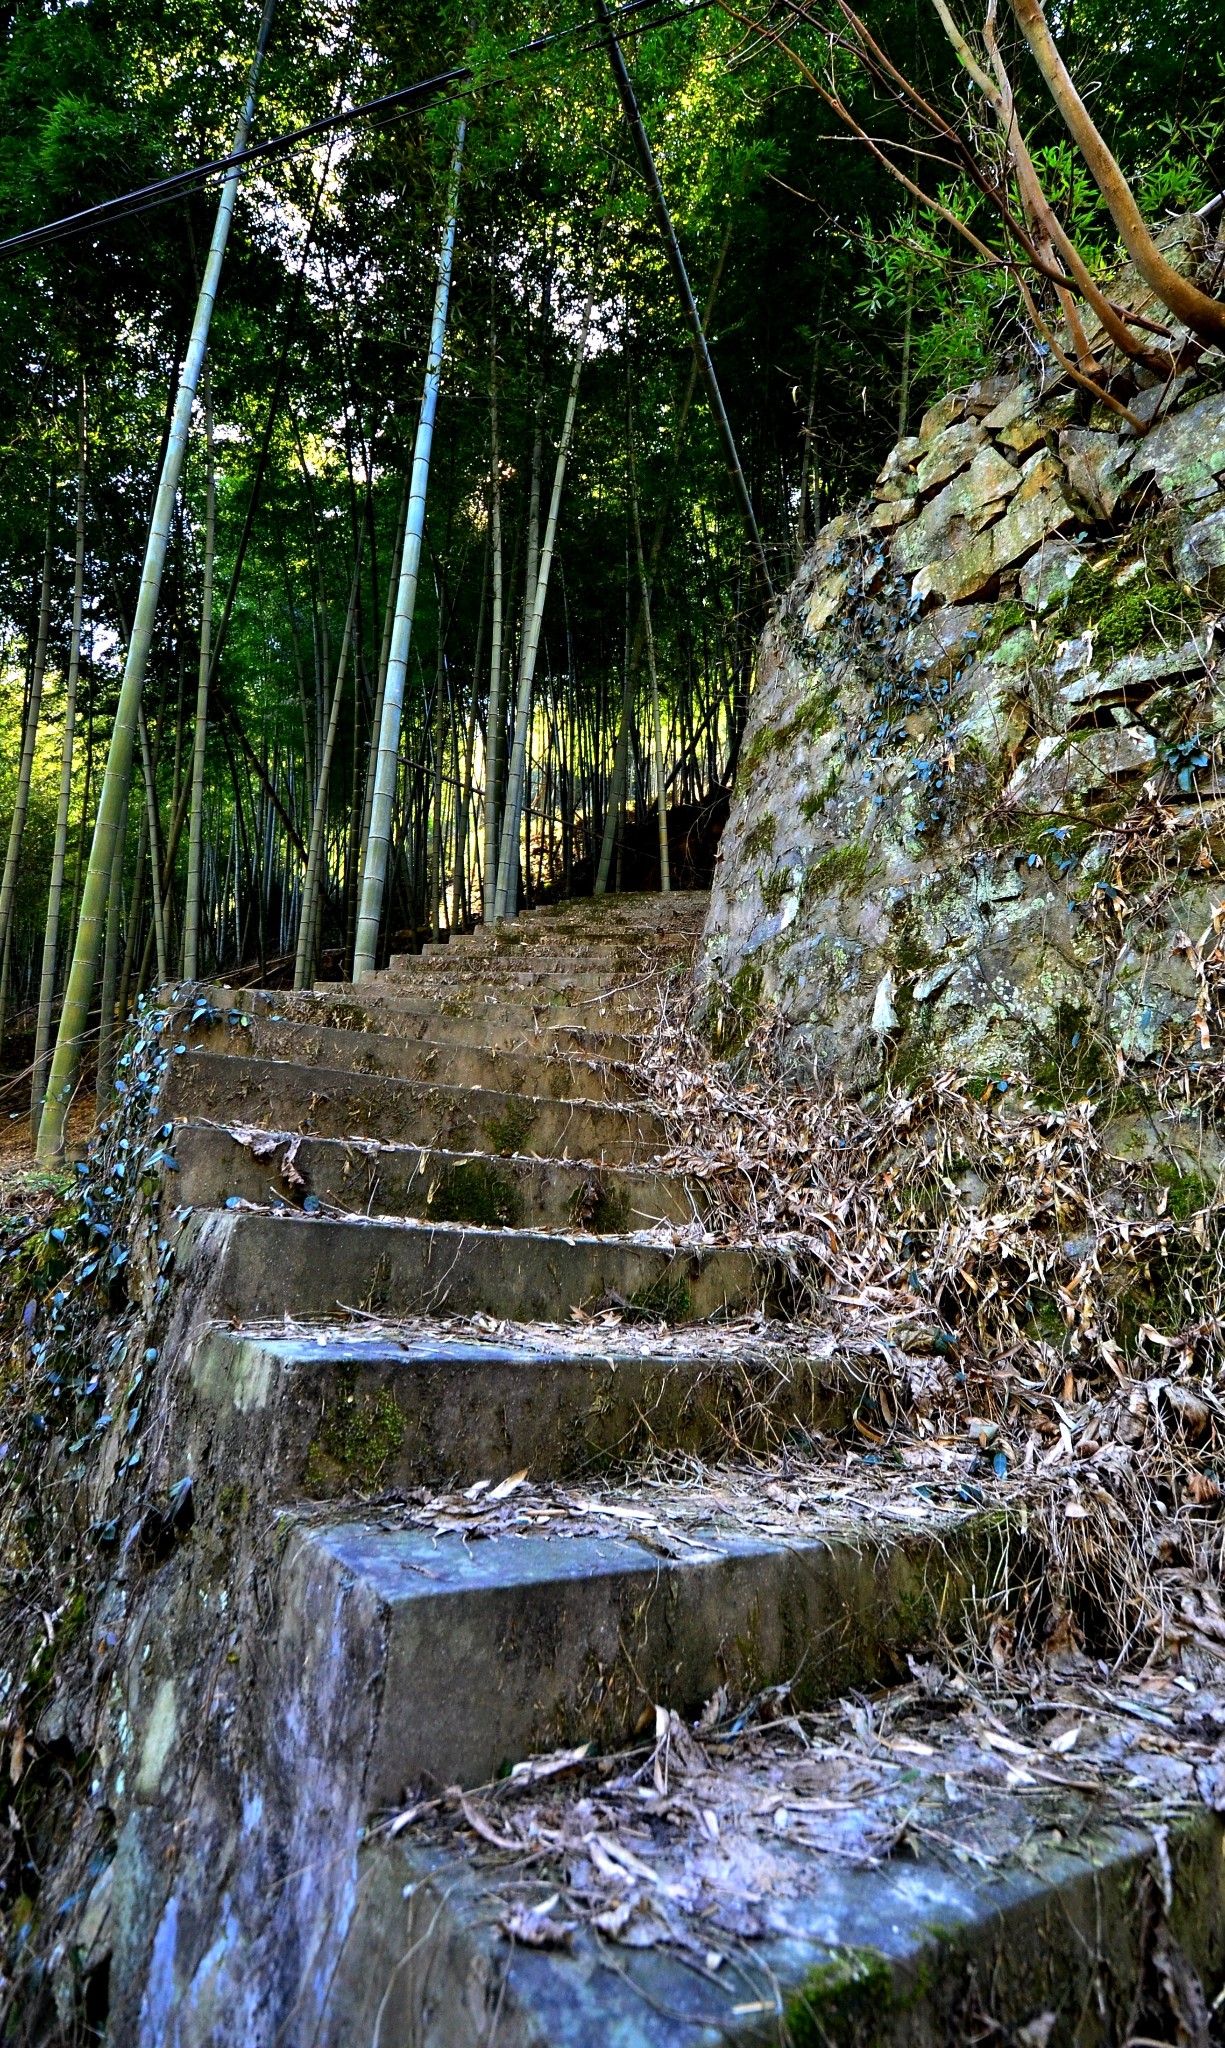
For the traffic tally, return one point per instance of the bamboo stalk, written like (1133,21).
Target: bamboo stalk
(112,804)
(55,891)
(195,835)
(374,865)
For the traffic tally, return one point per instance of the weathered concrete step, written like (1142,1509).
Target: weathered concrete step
(559,979)
(1050,1942)
(488,1651)
(546,956)
(438,1187)
(327,1412)
(482,1016)
(508,1071)
(603,950)
(279,1096)
(289,1265)
(337,1006)
(636,909)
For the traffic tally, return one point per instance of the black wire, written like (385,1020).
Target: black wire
(392,106)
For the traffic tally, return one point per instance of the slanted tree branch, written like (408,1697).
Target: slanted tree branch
(1205,316)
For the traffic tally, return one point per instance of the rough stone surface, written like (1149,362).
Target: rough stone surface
(953,717)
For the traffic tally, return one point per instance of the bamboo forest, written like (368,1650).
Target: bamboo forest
(612,992)
(569,453)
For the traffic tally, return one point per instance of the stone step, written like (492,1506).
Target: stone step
(1046,1938)
(280,1096)
(338,1006)
(649,950)
(681,909)
(551,980)
(266,1265)
(480,1016)
(439,1187)
(485,1652)
(546,955)
(506,1070)
(333,1412)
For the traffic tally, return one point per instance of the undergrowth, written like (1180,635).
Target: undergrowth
(1021,1281)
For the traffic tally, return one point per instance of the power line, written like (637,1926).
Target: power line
(392,106)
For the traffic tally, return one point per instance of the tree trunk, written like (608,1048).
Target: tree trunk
(616,788)
(1205,316)
(665,873)
(508,852)
(435,869)
(308,923)
(374,865)
(110,966)
(55,893)
(112,802)
(493,716)
(155,848)
(25,768)
(195,835)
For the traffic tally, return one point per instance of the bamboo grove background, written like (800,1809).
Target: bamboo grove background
(833,311)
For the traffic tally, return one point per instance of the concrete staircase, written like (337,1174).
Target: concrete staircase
(438,1265)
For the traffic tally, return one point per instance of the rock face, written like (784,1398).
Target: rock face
(977,823)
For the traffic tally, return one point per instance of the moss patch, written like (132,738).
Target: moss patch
(734,1010)
(603,1211)
(475,1193)
(847,2000)
(507,1132)
(761,839)
(359,1436)
(839,867)
(1068,1060)
(666,1300)
(1188,1192)
(1004,620)
(773,890)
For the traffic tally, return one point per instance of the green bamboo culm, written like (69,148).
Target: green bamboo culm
(308,923)
(387,754)
(113,800)
(505,899)
(55,893)
(195,830)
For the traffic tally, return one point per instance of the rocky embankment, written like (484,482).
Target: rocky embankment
(979,811)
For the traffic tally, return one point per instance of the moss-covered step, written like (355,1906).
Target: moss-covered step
(1050,1942)
(330,1413)
(281,1096)
(439,1187)
(487,1652)
(261,1264)
(511,1070)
